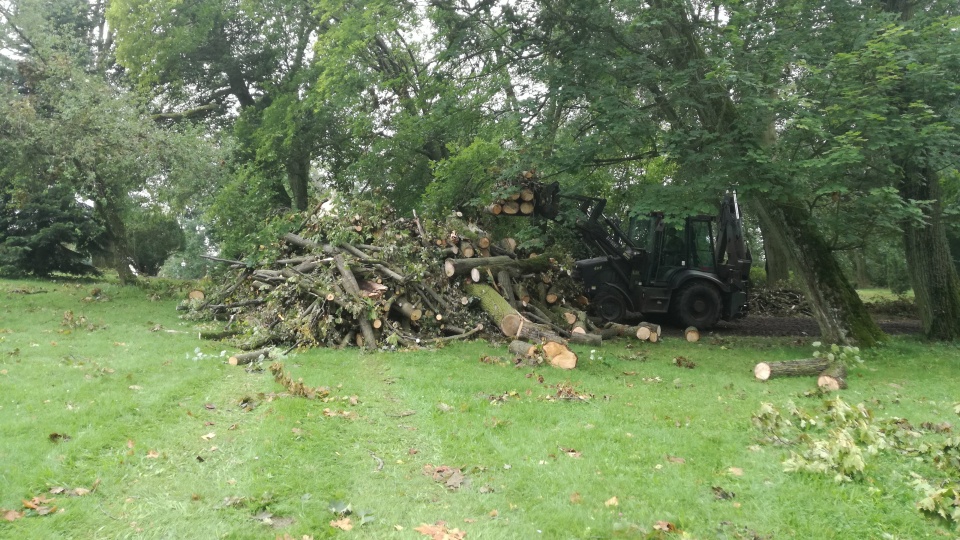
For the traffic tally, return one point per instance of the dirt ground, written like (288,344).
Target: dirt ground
(800,326)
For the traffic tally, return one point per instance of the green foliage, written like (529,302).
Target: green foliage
(187,263)
(45,231)
(464,181)
(846,355)
(152,236)
(242,212)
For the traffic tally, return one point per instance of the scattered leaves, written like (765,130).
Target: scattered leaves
(735,471)
(682,362)
(674,459)
(11,515)
(59,437)
(439,531)
(567,391)
(576,498)
(451,477)
(297,388)
(571,452)
(612,501)
(208,436)
(344,524)
(665,526)
(722,494)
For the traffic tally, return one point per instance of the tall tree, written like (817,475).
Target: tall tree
(68,128)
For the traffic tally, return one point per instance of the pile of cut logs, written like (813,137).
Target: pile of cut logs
(831,376)
(354,274)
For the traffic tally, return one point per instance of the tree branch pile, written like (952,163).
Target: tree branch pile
(357,275)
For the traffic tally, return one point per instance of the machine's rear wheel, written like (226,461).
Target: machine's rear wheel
(609,304)
(696,304)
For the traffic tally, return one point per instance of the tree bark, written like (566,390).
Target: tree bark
(933,275)
(836,306)
(790,368)
(775,256)
(454,267)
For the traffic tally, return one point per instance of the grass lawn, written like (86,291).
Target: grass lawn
(174,443)
(882,295)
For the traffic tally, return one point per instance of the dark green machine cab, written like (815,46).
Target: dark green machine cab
(697,274)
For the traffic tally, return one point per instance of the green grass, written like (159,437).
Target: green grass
(882,295)
(137,401)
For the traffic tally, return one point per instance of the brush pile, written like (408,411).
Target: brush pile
(355,274)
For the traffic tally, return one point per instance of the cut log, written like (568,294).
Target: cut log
(654,328)
(527,194)
(691,334)
(466,248)
(456,267)
(654,337)
(511,208)
(522,348)
(559,355)
(807,367)
(643,333)
(526,208)
(833,378)
(196,294)
(494,305)
(552,296)
(246,358)
(586,339)
(483,242)
(407,309)
(495,209)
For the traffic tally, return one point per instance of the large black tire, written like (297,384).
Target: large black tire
(696,304)
(609,304)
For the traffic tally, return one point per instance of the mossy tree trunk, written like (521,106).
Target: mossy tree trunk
(836,306)
(933,275)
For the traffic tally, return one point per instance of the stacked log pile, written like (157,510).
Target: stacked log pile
(356,275)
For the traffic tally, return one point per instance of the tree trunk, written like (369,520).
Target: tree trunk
(298,177)
(836,306)
(933,275)
(776,257)
(116,233)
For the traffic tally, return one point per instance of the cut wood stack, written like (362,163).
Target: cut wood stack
(354,274)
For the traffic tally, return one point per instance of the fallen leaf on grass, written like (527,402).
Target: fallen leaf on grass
(673,459)
(210,407)
(575,497)
(736,471)
(439,531)
(208,436)
(451,477)
(135,387)
(11,515)
(344,524)
(130,443)
(665,526)
(153,454)
(612,501)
